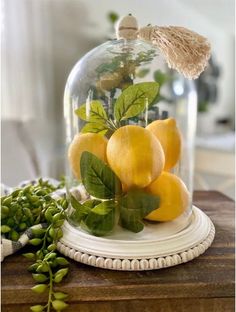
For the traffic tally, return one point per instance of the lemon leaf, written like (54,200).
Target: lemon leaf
(92,111)
(134,99)
(92,127)
(98,179)
(94,216)
(80,211)
(160,77)
(134,206)
(101,219)
(142,72)
(91,203)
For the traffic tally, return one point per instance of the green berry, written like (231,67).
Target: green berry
(29,255)
(50,256)
(14,235)
(48,215)
(39,277)
(22,226)
(37,308)
(52,247)
(4,212)
(52,232)
(29,206)
(33,267)
(5,229)
(59,305)
(62,261)
(58,278)
(11,222)
(38,232)
(7,201)
(35,241)
(60,295)
(40,288)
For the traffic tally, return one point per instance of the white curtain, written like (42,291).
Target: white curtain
(41,41)
(27,89)
(27,82)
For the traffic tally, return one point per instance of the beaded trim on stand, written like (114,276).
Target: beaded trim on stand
(139,264)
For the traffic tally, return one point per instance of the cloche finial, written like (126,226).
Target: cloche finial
(127,27)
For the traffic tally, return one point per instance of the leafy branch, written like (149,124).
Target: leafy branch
(131,102)
(97,216)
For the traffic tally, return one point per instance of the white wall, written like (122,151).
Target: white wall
(213,19)
(53,34)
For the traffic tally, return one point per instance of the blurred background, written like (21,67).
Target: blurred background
(43,39)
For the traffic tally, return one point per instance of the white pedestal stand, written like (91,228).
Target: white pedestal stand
(157,246)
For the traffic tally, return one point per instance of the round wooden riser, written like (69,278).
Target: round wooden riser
(154,248)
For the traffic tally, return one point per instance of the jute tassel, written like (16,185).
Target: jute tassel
(183,49)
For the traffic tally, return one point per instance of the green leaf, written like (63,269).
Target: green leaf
(59,233)
(98,179)
(75,203)
(4,212)
(6,201)
(58,278)
(39,255)
(92,112)
(62,272)
(52,247)
(80,212)
(5,229)
(57,217)
(14,235)
(37,308)
(50,256)
(29,255)
(33,267)
(134,206)
(60,295)
(40,288)
(48,215)
(38,232)
(40,277)
(92,127)
(52,232)
(160,77)
(109,67)
(58,223)
(133,100)
(101,219)
(42,268)
(35,241)
(61,261)
(142,72)
(59,305)
(113,17)
(91,203)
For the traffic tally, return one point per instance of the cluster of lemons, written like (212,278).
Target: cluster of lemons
(142,159)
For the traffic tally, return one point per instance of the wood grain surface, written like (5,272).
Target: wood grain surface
(204,284)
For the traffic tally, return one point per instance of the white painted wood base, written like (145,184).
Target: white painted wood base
(146,250)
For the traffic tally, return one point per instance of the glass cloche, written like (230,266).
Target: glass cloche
(130,124)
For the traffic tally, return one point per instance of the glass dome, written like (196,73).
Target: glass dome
(130,125)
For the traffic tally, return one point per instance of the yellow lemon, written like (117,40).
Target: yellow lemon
(174,197)
(135,155)
(169,136)
(90,142)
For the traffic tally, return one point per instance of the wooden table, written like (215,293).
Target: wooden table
(205,284)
